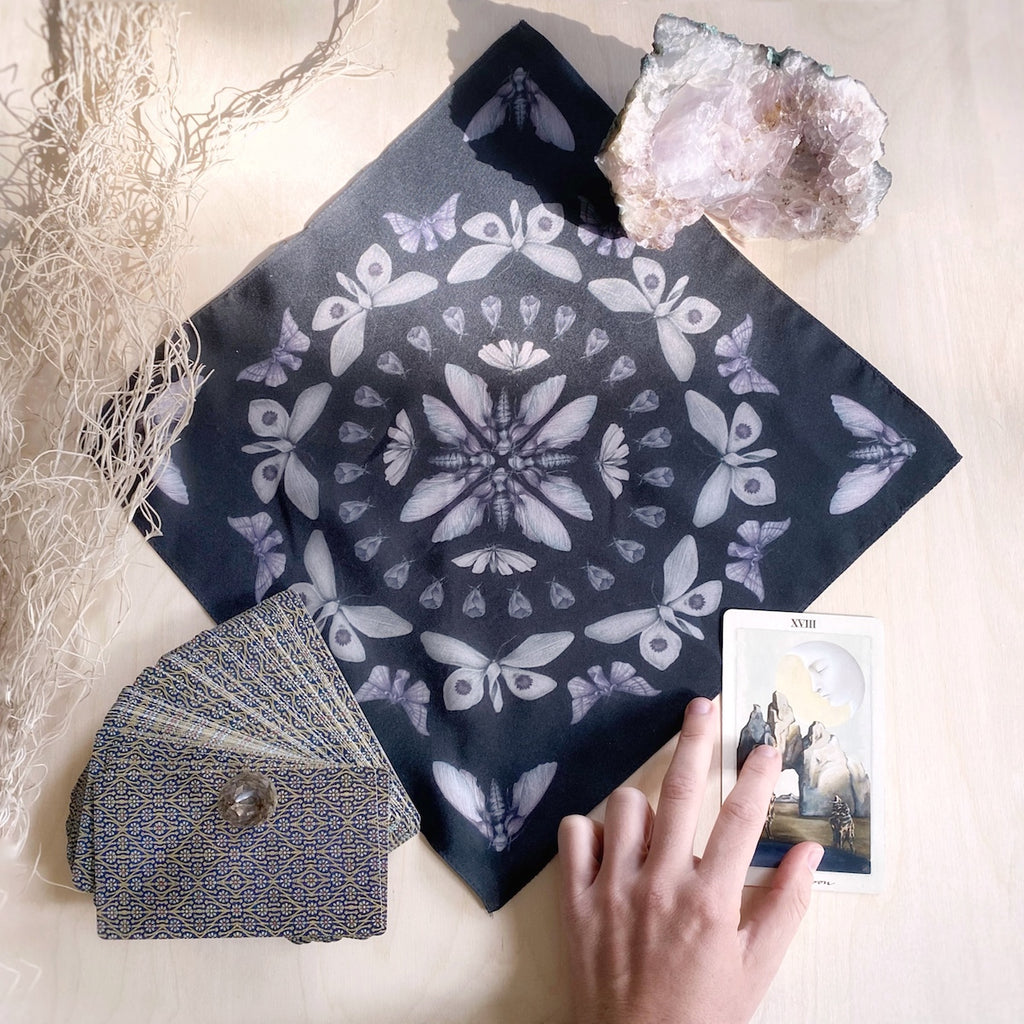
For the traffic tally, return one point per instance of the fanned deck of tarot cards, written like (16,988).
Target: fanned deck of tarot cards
(236,789)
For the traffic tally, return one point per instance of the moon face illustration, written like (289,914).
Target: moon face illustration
(823,681)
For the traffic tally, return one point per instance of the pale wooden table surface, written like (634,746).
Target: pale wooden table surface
(932,296)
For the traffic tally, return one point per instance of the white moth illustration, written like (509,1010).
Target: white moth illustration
(650,515)
(398,575)
(519,605)
(433,595)
(659,627)
(881,454)
(676,317)
(513,356)
(475,604)
(565,317)
(544,224)
(736,471)
(475,672)
(502,460)
(520,100)
(344,622)
(499,817)
(161,418)
(490,306)
(503,561)
(372,288)
(609,237)
(282,433)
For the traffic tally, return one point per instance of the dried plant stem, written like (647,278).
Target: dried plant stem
(97,184)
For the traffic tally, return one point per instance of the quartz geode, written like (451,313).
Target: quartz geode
(769,142)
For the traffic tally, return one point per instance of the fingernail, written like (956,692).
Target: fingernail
(814,856)
(699,706)
(765,751)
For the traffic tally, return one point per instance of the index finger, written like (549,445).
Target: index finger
(734,837)
(682,790)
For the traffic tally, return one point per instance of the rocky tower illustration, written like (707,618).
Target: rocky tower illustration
(823,769)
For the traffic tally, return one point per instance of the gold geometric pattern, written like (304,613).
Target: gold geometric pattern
(258,696)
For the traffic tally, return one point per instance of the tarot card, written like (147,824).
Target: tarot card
(812,686)
(193,843)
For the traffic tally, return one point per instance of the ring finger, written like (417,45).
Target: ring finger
(627,831)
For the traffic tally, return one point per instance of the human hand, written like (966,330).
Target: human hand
(657,935)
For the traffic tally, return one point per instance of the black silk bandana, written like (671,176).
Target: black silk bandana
(517,468)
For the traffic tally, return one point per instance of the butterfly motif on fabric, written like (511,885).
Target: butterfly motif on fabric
(257,531)
(756,537)
(271,371)
(372,288)
(282,433)
(499,817)
(623,678)
(502,460)
(676,317)
(882,452)
(736,471)
(519,101)
(477,674)
(396,689)
(544,224)
(659,628)
(344,622)
(734,348)
(412,231)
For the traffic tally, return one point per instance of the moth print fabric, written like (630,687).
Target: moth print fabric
(516,468)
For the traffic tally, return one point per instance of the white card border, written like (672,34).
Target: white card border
(736,619)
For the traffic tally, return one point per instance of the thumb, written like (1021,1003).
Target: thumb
(774,917)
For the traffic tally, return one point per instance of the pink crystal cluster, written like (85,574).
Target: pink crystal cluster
(768,142)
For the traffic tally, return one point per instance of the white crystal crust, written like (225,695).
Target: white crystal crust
(768,142)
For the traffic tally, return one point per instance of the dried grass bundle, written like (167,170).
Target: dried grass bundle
(97,185)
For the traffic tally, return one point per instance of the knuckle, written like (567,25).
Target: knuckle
(658,898)
(625,796)
(578,912)
(743,812)
(703,909)
(681,787)
(616,905)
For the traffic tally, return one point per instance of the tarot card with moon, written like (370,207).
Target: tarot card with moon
(810,685)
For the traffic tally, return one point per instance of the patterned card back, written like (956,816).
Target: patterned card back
(170,867)
(258,694)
